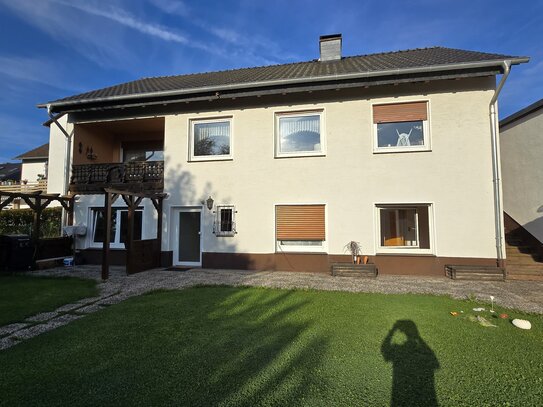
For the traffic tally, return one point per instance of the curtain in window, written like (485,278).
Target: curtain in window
(290,125)
(216,129)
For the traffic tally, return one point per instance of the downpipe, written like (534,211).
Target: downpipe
(496,176)
(68,157)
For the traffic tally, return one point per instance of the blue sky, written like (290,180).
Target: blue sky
(55,48)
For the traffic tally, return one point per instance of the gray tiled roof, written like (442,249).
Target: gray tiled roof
(38,152)
(388,63)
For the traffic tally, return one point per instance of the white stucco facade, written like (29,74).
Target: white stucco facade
(522,171)
(454,176)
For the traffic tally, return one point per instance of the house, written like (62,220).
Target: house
(10,173)
(29,176)
(34,164)
(521,141)
(279,167)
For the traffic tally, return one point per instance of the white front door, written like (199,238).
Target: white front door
(187,237)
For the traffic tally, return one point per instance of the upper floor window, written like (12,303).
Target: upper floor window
(401,127)
(299,134)
(211,139)
(143,151)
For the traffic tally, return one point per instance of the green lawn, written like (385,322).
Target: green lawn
(22,296)
(225,346)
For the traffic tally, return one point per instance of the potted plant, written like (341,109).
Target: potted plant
(355,250)
(358,267)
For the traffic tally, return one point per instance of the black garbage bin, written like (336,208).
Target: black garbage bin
(16,252)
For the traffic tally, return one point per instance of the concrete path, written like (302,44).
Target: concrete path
(521,295)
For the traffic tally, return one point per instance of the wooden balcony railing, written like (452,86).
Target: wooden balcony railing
(135,176)
(26,188)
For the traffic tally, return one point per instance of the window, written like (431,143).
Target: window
(404,228)
(300,228)
(225,224)
(401,127)
(144,151)
(119,226)
(299,134)
(211,139)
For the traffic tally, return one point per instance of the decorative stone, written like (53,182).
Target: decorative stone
(522,323)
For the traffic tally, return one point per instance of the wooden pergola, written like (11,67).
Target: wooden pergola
(140,254)
(37,201)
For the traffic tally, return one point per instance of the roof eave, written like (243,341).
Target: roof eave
(278,82)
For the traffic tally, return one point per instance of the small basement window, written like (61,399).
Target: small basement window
(225,224)
(401,127)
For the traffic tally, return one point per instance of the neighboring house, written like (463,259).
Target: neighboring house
(392,150)
(29,176)
(10,173)
(34,164)
(10,176)
(521,140)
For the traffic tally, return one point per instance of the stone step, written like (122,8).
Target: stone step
(525,277)
(475,273)
(512,266)
(528,260)
(354,270)
(519,249)
(524,270)
(466,275)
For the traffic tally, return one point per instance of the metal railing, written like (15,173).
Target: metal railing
(137,175)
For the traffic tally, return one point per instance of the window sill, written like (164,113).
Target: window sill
(300,155)
(206,159)
(409,252)
(401,150)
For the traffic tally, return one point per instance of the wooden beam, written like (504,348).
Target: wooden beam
(6,202)
(36,225)
(137,194)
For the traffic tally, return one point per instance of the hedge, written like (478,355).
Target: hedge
(19,221)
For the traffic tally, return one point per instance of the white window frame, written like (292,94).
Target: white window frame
(404,249)
(282,248)
(222,157)
(217,226)
(116,243)
(300,113)
(402,149)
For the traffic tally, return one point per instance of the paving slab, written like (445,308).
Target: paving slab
(9,329)
(42,317)
(8,342)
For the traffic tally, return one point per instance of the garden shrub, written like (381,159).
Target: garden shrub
(19,221)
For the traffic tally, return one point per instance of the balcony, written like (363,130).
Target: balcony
(24,187)
(132,176)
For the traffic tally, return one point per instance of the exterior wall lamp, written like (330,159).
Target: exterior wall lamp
(209,203)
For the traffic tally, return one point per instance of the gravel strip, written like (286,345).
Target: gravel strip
(522,295)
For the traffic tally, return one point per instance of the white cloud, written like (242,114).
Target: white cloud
(38,70)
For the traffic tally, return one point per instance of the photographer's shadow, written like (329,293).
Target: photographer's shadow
(414,364)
